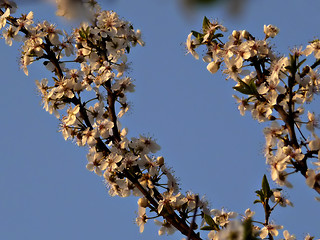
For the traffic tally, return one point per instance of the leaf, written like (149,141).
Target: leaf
(82,34)
(289,68)
(211,222)
(301,62)
(207,228)
(265,187)
(260,194)
(246,89)
(197,35)
(205,24)
(217,35)
(87,31)
(293,64)
(215,41)
(292,59)
(253,87)
(256,201)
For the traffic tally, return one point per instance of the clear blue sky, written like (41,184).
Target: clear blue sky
(46,191)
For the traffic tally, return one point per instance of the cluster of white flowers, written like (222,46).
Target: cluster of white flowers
(225,225)
(275,89)
(89,100)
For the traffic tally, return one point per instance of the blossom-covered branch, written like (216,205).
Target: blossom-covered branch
(275,89)
(84,99)
(87,93)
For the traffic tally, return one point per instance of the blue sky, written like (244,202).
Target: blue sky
(46,191)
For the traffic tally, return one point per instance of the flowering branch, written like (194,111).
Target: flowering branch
(273,85)
(85,100)
(101,49)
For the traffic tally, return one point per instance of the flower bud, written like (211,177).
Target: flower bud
(207,59)
(213,67)
(160,161)
(245,34)
(143,202)
(271,118)
(306,69)
(236,34)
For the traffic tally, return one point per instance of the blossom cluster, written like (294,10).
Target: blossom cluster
(225,225)
(274,89)
(88,94)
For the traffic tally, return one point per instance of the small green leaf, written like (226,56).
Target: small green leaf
(82,34)
(217,35)
(205,24)
(87,31)
(292,59)
(207,228)
(211,222)
(253,87)
(266,188)
(293,64)
(55,79)
(260,194)
(289,68)
(301,62)
(198,35)
(256,201)
(243,88)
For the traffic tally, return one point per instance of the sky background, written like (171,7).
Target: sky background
(46,191)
